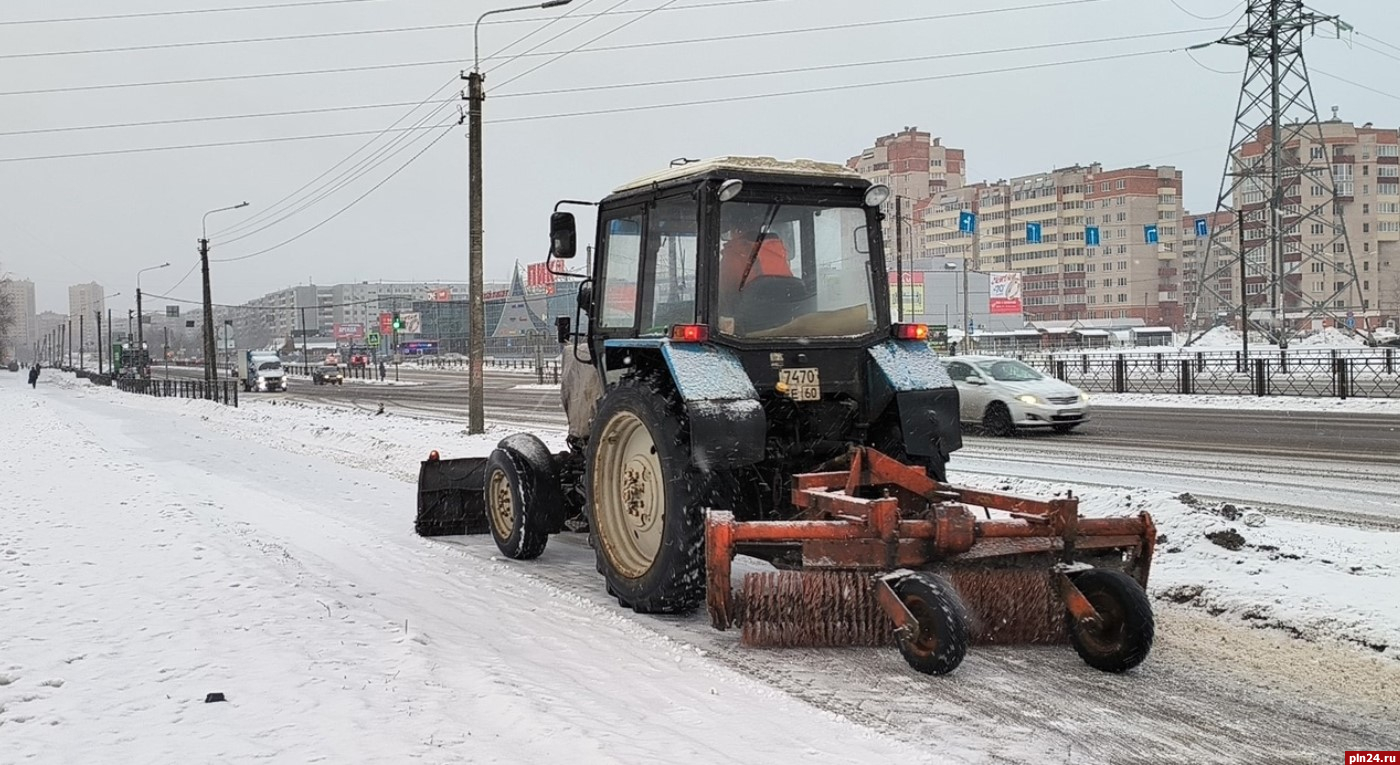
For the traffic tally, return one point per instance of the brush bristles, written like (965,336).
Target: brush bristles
(822,609)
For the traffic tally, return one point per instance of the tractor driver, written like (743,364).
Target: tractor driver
(749,254)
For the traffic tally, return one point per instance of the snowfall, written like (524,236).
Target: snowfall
(156,551)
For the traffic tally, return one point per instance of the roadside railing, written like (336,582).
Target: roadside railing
(221,391)
(1336,374)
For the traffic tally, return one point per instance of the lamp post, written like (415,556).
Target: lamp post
(140,330)
(111,358)
(476,347)
(209,361)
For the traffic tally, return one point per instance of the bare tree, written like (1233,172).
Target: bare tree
(7,320)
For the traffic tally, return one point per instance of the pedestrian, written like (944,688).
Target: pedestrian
(34,376)
(381,371)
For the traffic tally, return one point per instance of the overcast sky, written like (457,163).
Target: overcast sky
(64,221)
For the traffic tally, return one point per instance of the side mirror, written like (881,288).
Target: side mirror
(585,297)
(565,327)
(563,238)
(975,380)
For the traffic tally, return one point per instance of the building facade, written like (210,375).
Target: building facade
(916,166)
(19,339)
(86,300)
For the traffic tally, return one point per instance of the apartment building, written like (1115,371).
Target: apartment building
(1036,225)
(19,340)
(318,308)
(916,166)
(1318,265)
(86,300)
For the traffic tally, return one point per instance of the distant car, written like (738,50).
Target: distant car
(359,360)
(1003,395)
(13,366)
(327,375)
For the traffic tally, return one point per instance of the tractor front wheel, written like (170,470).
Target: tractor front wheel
(647,526)
(941,642)
(1122,636)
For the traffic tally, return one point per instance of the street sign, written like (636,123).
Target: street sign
(189,323)
(1032,233)
(1201,228)
(1091,236)
(1149,233)
(373,340)
(1351,320)
(172,311)
(967,221)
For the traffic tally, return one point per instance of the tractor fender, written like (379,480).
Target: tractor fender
(910,374)
(727,425)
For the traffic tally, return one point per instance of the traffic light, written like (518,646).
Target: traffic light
(398,323)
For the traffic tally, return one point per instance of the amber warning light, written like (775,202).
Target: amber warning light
(911,331)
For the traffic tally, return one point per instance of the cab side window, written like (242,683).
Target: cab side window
(622,249)
(671,254)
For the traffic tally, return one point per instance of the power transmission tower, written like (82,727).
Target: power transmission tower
(1279,185)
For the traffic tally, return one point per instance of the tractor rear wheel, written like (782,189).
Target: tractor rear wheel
(1123,635)
(647,524)
(517,503)
(941,642)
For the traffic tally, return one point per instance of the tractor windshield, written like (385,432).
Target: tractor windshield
(794,271)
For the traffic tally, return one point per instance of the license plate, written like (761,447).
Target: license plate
(1070,412)
(803,384)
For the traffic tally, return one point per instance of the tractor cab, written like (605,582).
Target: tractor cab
(754,290)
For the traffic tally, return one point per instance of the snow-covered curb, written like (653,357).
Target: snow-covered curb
(1252,403)
(1314,582)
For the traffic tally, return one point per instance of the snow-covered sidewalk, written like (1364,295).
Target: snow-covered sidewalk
(148,559)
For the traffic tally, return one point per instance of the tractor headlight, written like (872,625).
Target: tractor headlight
(1028,399)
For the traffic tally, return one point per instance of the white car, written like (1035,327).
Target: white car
(1002,395)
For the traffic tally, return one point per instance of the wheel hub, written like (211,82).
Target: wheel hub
(502,504)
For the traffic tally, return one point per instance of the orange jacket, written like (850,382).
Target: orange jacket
(772,260)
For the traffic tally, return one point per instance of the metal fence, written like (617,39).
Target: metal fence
(1273,373)
(221,391)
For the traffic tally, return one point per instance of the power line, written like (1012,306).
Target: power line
(622,86)
(1387,54)
(1379,40)
(952,75)
(436,27)
(833,88)
(275,206)
(1356,84)
(362,168)
(1193,15)
(189,12)
(183,278)
(311,3)
(576,48)
(352,203)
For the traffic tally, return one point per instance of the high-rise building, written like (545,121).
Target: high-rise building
(1036,224)
(915,166)
(19,340)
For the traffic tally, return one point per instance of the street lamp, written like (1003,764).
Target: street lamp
(140,330)
(210,376)
(476,348)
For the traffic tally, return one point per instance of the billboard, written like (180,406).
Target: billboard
(348,331)
(1004,295)
(538,279)
(913,294)
(412,322)
(442,295)
(386,324)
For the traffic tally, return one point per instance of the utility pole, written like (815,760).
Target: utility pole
(210,376)
(476,311)
(899,252)
(70,342)
(82,344)
(112,355)
(165,352)
(99,341)
(967,264)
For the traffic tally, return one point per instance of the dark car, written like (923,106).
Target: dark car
(13,366)
(327,375)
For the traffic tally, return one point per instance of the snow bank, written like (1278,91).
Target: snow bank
(1220,337)
(157,551)
(1312,581)
(1331,337)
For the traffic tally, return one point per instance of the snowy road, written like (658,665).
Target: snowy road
(160,550)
